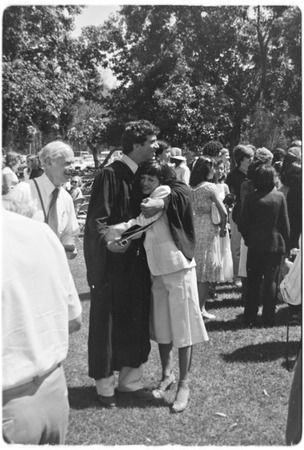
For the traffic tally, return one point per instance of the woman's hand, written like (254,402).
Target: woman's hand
(151,206)
(223,232)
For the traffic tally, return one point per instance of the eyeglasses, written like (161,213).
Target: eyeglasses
(73,182)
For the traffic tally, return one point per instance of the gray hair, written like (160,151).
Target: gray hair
(24,207)
(54,150)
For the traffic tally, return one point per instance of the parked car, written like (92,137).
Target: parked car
(88,160)
(115,155)
(102,156)
(79,164)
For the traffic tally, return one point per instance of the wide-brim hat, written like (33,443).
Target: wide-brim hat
(176,153)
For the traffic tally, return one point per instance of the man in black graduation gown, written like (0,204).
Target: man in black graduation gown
(119,282)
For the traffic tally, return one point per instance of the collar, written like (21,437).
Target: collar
(130,163)
(47,184)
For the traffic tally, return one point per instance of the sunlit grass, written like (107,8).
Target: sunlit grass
(239,386)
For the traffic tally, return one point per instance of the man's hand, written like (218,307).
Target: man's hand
(111,235)
(118,246)
(151,206)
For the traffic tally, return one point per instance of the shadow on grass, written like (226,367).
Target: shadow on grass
(257,353)
(228,289)
(84,397)
(237,323)
(225,325)
(225,303)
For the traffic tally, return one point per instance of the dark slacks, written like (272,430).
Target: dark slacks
(261,266)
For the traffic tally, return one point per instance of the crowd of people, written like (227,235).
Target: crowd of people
(161,234)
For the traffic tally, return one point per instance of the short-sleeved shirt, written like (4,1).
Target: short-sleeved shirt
(38,300)
(8,171)
(68,228)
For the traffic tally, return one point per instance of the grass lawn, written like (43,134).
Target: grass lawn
(239,385)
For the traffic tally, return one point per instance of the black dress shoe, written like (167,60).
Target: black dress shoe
(107,401)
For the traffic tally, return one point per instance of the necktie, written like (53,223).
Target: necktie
(52,218)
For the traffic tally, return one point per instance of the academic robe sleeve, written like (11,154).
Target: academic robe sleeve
(180,218)
(100,214)
(245,220)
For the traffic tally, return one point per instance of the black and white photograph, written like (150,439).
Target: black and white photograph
(151,224)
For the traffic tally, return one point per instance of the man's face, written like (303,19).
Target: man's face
(148,183)
(59,170)
(245,163)
(146,151)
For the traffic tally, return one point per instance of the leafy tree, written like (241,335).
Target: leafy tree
(89,128)
(200,72)
(45,71)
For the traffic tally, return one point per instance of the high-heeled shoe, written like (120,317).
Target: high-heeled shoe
(182,397)
(163,386)
(207,315)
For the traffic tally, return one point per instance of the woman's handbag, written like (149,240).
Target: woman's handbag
(227,263)
(119,245)
(122,243)
(215,215)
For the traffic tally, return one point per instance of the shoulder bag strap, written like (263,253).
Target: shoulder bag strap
(40,197)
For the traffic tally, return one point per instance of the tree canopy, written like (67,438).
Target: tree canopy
(199,72)
(45,71)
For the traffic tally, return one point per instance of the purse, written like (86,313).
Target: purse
(118,245)
(121,244)
(215,215)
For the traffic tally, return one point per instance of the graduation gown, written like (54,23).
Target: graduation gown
(120,283)
(180,218)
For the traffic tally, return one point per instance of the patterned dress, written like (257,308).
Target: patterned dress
(207,249)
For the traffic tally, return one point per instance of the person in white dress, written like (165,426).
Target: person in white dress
(226,254)
(208,249)
(9,172)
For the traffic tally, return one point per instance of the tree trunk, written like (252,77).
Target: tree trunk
(234,140)
(94,153)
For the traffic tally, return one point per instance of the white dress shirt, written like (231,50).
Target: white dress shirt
(68,228)
(39,299)
(183,173)
(125,159)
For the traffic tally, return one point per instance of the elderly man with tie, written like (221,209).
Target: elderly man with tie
(54,204)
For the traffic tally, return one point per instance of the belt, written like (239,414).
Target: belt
(38,379)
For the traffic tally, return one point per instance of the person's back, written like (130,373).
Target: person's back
(266,229)
(35,330)
(264,226)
